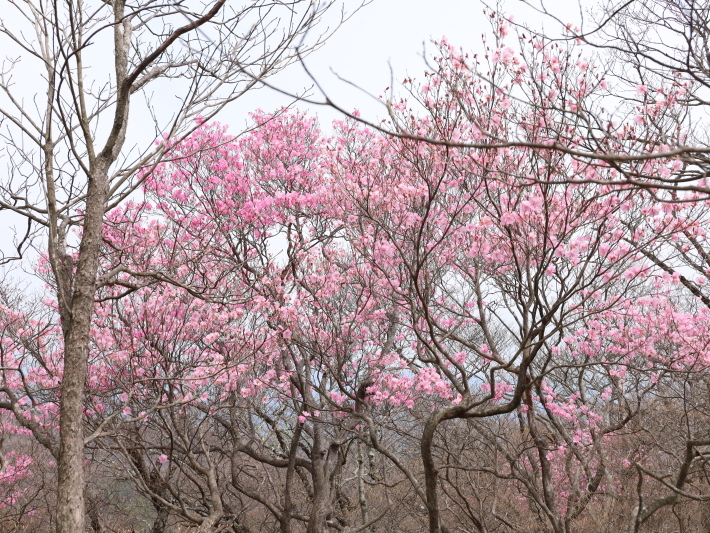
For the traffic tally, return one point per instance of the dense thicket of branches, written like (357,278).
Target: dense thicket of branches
(502,329)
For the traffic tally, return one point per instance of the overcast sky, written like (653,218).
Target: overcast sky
(391,34)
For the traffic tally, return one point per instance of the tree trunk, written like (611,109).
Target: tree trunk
(161,518)
(70,496)
(430,472)
(94,515)
(323,458)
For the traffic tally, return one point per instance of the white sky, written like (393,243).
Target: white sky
(390,33)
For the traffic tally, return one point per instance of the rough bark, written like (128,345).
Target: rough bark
(70,495)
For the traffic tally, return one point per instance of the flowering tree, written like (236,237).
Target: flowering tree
(433,281)
(287,323)
(72,156)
